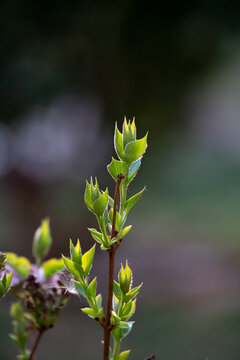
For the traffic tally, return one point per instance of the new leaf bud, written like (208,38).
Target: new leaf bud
(42,241)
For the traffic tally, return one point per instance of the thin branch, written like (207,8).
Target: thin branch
(111,254)
(35,345)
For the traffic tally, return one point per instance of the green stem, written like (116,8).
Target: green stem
(116,348)
(123,192)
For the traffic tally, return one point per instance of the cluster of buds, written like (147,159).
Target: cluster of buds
(79,267)
(43,303)
(39,287)
(95,200)
(127,147)
(124,303)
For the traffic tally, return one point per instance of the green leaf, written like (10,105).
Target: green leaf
(76,252)
(117,290)
(123,330)
(100,204)
(135,149)
(90,312)
(118,143)
(115,319)
(124,355)
(2,290)
(87,260)
(4,280)
(74,269)
(9,281)
(20,264)
(79,288)
(42,241)
(111,201)
(132,293)
(105,216)
(52,266)
(94,190)
(133,169)
(99,301)
(130,202)
(128,310)
(116,167)
(88,197)
(127,134)
(123,232)
(97,236)
(92,288)
(116,304)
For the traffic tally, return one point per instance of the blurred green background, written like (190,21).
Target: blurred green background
(68,71)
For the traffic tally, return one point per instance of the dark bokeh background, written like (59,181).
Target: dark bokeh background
(68,71)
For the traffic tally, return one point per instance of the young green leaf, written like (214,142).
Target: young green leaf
(100,204)
(52,266)
(79,288)
(20,264)
(75,269)
(110,201)
(135,149)
(5,284)
(87,260)
(118,143)
(132,293)
(116,167)
(124,232)
(123,330)
(90,312)
(127,133)
(97,236)
(130,202)
(115,319)
(117,290)
(124,355)
(99,301)
(92,288)
(76,252)
(94,190)
(88,197)
(133,169)
(128,310)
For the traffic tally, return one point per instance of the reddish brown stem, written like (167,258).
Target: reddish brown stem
(111,257)
(35,345)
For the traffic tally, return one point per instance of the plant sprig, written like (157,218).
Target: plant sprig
(111,214)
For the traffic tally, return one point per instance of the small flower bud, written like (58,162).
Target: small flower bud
(125,278)
(42,241)
(95,200)
(127,147)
